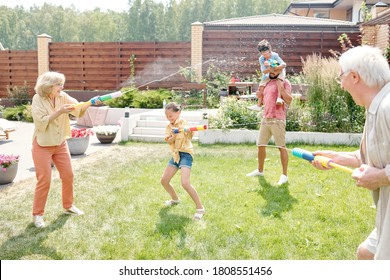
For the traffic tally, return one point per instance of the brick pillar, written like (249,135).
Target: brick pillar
(368,35)
(43,53)
(196,49)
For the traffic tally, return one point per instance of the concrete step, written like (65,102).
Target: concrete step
(150,127)
(159,115)
(151,138)
(152,131)
(146,138)
(149,130)
(155,123)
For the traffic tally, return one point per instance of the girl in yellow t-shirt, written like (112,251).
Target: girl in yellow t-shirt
(182,157)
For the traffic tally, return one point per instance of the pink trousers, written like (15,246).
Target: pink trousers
(43,157)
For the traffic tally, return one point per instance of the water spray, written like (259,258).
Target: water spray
(119,93)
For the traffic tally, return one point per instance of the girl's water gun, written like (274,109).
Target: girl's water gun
(186,129)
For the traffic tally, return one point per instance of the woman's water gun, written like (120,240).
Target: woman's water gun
(102,98)
(186,129)
(325,161)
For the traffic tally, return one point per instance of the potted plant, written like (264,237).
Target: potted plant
(9,168)
(79,141)
(106,133)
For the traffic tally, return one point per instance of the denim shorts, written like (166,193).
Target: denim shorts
(184,161)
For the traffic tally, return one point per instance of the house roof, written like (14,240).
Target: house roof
(279,20)
(330,4)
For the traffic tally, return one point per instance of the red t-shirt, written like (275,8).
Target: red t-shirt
(271,110)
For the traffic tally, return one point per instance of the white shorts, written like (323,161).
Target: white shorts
(371,242)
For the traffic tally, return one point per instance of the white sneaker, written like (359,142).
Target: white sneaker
(171,202)
(254,108)
(279,101)
(73,211)
(283,180)
(255,173)
(38,221)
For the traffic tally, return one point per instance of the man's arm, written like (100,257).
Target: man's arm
(284,92)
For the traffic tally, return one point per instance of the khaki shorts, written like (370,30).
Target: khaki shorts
(275,128)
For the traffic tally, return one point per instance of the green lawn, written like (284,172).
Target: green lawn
(317,215)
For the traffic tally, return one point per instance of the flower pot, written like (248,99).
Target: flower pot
(78,145)
(7,175)
(106,139)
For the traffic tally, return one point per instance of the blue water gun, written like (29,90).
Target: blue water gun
(273,63)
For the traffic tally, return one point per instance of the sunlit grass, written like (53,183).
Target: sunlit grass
(312,217)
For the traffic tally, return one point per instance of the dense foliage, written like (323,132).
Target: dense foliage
(145,20)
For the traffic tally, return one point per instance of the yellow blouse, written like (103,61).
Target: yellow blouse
(55,132)
(182,141)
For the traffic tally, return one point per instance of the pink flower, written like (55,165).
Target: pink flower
(7,160)
(81,132)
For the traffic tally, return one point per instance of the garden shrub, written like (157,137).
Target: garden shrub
(134,98)
(124,101)
(151,99)
(189,99)
(215,81)
(18,95)
(331,108)
(18,113)
(234,114)
(297,117)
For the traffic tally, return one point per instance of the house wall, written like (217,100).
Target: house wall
(338,14)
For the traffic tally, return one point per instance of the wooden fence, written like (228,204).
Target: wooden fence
(236,50)
(16,68)
(100,66)
(106,66)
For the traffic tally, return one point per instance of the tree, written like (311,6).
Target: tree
(145,20)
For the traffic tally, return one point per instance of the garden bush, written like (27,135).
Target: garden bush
(152,99)
(135,98)
(124,101)
(18,95)
(332,109)
(188,99)
(234,114)
(18,113)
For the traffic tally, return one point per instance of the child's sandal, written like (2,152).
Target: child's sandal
(199,214)
(171,202)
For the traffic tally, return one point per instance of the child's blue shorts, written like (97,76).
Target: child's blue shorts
(185,161)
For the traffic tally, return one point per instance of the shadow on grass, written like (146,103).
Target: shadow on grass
(31,242)
(278,199)
(171,224)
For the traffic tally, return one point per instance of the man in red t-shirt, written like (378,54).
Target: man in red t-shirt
(274,124)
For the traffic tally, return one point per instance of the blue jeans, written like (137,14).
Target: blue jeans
(184,161)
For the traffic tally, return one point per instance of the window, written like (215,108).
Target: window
(349,14)
(321,13)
